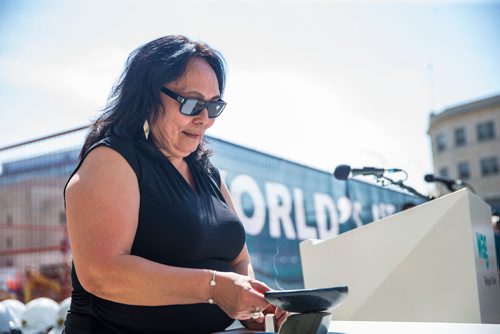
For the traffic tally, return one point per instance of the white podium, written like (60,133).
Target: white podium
(432,263)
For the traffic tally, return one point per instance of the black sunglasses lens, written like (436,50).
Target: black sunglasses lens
(192,107)
(188,107)
(215,108)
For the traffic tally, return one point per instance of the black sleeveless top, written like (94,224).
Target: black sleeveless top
(177,226)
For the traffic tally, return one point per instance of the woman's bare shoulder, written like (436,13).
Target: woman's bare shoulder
(103,167)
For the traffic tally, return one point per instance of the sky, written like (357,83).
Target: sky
(317,82)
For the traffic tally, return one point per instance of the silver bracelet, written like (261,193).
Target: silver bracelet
(212,284)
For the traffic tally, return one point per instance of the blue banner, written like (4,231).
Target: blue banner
(282,203)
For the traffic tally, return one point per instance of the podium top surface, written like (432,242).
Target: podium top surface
(385,327)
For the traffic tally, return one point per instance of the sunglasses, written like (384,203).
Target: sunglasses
(193,107)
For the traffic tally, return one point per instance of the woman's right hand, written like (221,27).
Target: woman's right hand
(238,296)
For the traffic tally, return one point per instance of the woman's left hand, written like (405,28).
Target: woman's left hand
(259,323)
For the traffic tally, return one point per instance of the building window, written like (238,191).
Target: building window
(443,171)
(8,242)
(460,137)
(9,219)
(440,142)
(463,170)
(486,131)
(62,217)
(489,166)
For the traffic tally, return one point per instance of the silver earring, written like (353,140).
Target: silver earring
(145,127)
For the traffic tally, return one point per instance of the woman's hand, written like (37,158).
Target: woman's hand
(258,324)
(239,296)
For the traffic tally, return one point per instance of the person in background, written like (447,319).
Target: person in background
(495,220)
(408,205)
(157,246)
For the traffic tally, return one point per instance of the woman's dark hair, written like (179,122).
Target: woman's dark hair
(136,95)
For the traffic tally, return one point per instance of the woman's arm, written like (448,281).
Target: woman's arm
(102,208)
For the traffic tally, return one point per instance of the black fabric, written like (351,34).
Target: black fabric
(178,226)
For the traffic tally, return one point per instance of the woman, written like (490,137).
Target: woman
(156,244)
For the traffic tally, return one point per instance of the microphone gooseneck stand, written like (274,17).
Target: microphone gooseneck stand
(400,184)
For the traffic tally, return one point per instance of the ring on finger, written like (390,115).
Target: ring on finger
(255,314)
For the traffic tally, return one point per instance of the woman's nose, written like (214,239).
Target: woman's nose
(202,118)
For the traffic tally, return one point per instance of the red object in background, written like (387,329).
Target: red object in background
(13,284)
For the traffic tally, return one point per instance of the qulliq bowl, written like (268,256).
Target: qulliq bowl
(307,300)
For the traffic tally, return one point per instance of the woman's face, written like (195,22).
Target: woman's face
(181,134)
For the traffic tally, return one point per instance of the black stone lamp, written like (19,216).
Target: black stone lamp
(308,308)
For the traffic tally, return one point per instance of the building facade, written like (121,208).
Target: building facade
(466,145)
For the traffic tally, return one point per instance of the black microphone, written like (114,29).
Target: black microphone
(342,171)
(449,183)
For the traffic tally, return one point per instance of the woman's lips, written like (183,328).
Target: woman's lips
(192,135)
